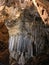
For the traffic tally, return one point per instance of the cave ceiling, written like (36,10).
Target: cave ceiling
(6,8)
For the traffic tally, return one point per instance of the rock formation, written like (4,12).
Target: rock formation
(39,31)
(43,9)
(3,43)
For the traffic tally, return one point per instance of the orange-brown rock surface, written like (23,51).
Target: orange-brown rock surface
(4,37)
(3,43)
(43,9)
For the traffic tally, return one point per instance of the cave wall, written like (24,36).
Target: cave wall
(4,36)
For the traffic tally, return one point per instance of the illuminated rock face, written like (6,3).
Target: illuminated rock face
(7,13)
(41,5)
(43,9)
(2,2)
(27,27)
(22,32)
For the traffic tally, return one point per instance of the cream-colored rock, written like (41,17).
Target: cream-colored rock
(13,12)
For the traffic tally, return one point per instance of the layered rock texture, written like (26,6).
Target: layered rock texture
(43,9)
(12,11)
